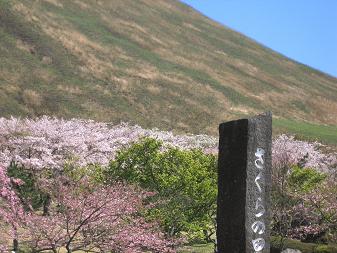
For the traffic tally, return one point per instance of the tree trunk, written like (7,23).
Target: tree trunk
(46,204)
(15,245)
(68,249)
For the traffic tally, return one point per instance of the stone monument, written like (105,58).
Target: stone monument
(244,181)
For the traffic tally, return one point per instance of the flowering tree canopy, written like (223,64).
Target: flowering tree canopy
(108,218)
(11,210)
(50,142)
(84,217)
(287,151)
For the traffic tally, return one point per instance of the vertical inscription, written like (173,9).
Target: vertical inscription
(259,226)
(244,180)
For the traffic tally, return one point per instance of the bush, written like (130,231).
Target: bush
(304,179)
(185,182)
(294,213)
(29,192)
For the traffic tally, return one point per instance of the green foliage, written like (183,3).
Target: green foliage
(29,191)
(93,172)
(185,182)
(305,179)
(278,244)
(325,249)
(300,208)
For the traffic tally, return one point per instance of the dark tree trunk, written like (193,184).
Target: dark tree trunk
(46,204)
(15,245)
(68,248)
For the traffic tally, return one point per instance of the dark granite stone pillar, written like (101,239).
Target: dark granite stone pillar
(244,181)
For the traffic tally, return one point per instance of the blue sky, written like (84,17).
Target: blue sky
(304,30)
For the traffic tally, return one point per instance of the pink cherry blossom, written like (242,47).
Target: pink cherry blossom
(50,142)
(11,210)
(47,142)
(86,218)
(288,151)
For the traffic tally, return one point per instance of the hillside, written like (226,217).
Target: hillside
(157,63)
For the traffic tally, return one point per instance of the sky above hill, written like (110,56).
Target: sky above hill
(304,30)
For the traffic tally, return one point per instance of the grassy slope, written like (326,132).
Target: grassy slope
(314,132)
(154,63)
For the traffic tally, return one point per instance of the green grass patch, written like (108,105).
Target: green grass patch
(326,134)
(198,248)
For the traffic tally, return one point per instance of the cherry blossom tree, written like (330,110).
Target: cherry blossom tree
(48,142)
(96,219)
(287,151)
(295,213)
(81,217)
(322,202)
(48,145)
(11,210)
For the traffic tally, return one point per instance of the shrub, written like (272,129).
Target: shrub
(295,215)
(304,179)
(185,180)
(29,192)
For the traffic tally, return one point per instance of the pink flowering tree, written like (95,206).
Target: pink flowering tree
(288,151)
(299,171)
(46,147)
(47,142)
(96,219)
(81,217)
(313,217)
(322,202)
(11,210)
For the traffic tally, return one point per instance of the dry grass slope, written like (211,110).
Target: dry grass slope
(158,63)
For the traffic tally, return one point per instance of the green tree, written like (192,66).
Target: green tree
(185,182)
(304,179)
(29,192)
